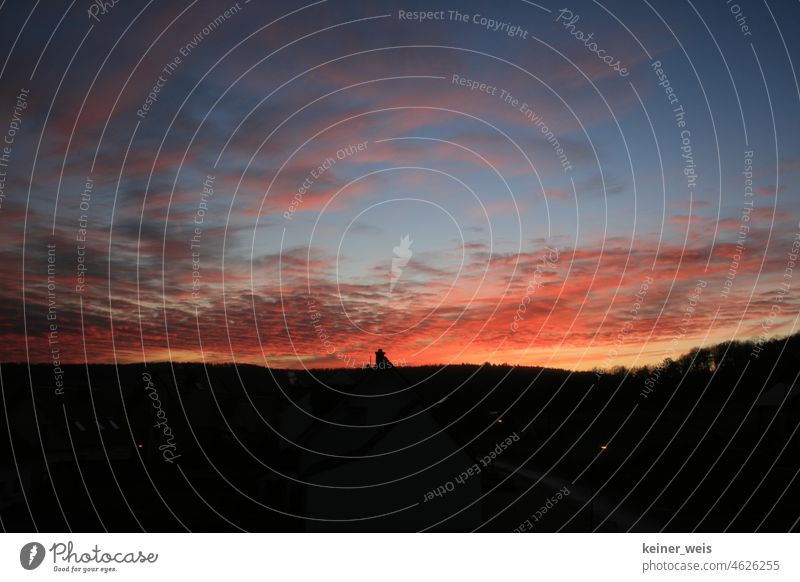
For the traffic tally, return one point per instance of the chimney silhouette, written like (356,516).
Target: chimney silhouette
(381,361)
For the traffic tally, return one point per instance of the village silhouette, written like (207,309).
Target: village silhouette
(711,446)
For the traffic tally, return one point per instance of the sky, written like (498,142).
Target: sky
(291,184)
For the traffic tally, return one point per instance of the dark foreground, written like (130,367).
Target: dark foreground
(707,443)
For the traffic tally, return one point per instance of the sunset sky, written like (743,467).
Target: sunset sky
(537,207)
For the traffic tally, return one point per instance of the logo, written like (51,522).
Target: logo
(31,555)
(403,255)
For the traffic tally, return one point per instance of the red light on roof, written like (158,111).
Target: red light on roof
(603,447)
(499,421)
